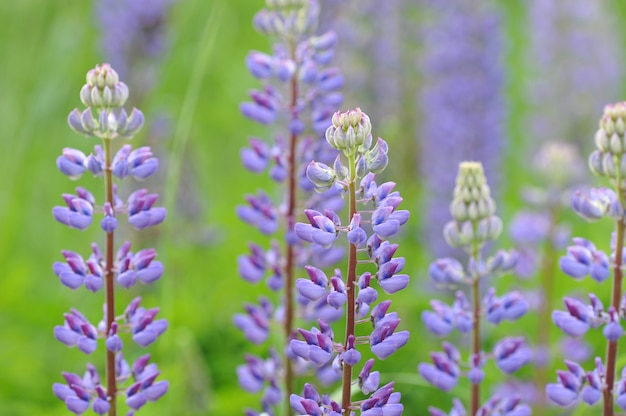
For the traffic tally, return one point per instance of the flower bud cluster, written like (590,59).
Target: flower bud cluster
(472,208)
(105,93)
(287,18)
(350,133)
(608,159)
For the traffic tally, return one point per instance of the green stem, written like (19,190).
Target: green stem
(546,278)
(350,289)
(110,289)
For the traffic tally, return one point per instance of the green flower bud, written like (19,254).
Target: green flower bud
(458,234)
(608,165)
(472,200)
(350,131)
(602,141)
(615,144)
(103,88)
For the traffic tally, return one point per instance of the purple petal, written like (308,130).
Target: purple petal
(394,283)
(151,273)
(157,390)
(560,395)
(439,379)
(144,219)
(76,405)
(66,336)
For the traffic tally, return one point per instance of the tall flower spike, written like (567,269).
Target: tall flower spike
(298,94)
(350,134)
(608,161)
(474,223)
(104,95)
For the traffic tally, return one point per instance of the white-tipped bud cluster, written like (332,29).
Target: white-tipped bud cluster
(472,200)
(351,132)
(559,164)
(103,88)
(104,94)
(472,208)
(610,141)
(288,18)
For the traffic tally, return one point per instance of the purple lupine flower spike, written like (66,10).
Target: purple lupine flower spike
(299,94)
(104,95)
(584,259)
(474,224)
(350,133)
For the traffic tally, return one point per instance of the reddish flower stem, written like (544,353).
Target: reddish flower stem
(110,289)
(611,351)
(290,254)
(346,393)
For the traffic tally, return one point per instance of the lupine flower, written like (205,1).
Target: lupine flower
(350,133)
(583,258)
(104,95)
(474,224)
(299,92)
(461,101)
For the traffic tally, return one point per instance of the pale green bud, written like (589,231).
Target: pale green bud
(608,165)
(615,144)
(458,234)
(103,88)
(602,141)
(471,192)
(350,131)
(620,126)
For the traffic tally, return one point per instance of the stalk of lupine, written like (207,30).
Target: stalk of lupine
(539,233)
(300,92)
(354,172)
(583,259)
(461,101)
(104,95)
(474,224)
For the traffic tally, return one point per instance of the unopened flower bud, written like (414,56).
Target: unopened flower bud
(595,163)
(321,175)
(103,88)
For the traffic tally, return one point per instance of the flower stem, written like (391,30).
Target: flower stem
(546,277)
(110,289)
(352,263)
(476,347)
(611,350)
(611,353)
(290,254)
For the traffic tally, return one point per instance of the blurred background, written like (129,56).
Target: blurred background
(442,82)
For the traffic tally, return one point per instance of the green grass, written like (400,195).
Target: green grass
(46,48)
